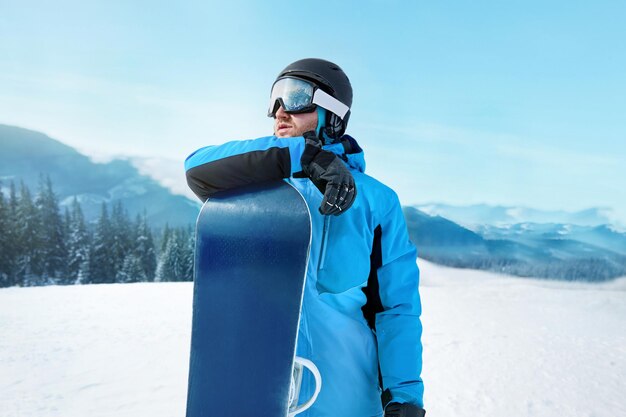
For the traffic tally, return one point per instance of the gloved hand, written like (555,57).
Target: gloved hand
(329,174)
(404,410)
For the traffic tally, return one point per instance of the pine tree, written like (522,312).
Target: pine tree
(121,234)
(78,244)
(67,221)
(5,260)
(28,243)
(84,271)
(167,233)
(178,256)
(144,247)
(188,254)
(170,266)
(13,201)
(132,270)
(53,249)
(11,236)
(102,262)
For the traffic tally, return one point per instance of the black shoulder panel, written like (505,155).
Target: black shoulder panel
(238,170)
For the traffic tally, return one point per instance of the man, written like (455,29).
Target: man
(360,321)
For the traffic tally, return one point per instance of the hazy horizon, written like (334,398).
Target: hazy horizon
(168,172)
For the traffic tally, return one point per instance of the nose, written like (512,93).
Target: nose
(280,113)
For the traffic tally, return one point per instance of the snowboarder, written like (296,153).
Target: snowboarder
(360,321)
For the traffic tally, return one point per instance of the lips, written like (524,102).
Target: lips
(282,129)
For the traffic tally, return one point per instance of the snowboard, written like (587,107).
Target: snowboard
(252,247)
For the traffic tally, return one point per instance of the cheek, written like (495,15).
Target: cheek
(309,122)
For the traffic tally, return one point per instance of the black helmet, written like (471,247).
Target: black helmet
(330,78)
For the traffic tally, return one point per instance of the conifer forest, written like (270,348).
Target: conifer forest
(42,243)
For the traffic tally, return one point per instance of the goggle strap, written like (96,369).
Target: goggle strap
(330,103)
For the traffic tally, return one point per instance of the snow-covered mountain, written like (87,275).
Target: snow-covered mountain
(25,155)
(558,251)
(477,215)
(603,236)
(494,346)
(551,244)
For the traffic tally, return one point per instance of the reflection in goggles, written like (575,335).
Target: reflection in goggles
(299,96)
(293,94)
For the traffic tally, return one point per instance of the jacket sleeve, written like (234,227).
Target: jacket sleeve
(234,164)
(398,325)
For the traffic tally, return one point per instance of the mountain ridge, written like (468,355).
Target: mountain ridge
(553,250)
(26,154)
(474,215)
(496,238)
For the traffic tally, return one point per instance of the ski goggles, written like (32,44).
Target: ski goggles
(299,96)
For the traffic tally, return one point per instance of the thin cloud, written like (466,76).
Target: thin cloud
(505,144)
(558,156)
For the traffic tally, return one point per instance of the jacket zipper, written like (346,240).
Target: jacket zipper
(325,231)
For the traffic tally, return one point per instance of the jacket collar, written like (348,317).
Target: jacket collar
(350,151)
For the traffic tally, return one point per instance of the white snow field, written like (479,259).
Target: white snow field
(493,346)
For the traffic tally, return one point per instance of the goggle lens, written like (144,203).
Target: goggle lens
(295,95)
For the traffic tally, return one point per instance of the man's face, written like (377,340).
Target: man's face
(288,125)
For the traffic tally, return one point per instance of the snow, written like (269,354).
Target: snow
(502,346)
(493,346)
(95,350)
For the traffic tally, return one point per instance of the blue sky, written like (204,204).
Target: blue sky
(513,103)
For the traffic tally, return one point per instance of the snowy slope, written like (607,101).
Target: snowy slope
(494,346)
(504,347)
(95,350)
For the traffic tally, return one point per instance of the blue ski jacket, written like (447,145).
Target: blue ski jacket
(360,321)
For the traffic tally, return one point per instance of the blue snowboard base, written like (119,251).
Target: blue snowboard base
(252,246)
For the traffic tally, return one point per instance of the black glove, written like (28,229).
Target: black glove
(404,410)
(329,174)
